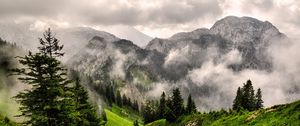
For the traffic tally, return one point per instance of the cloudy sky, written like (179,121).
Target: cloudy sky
(156,18)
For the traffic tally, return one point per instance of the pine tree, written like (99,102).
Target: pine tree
(49,102)
(149,113)
(190,107)
(162,105)
(177,101)
(136,123)
(237,103)
(129,103)
(248,99)
(124,100)
(136,105)
(258,99)
(119,99)
(112,94)
(169,111)
(88,115)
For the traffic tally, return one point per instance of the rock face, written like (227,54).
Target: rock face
(249,36)
(172,58)
(237,43)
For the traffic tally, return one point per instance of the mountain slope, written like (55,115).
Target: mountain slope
(129,33)
(189,60)
(73,39)
(249,36)
(279,115)
(9,85)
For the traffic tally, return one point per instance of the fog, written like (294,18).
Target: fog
(213,85)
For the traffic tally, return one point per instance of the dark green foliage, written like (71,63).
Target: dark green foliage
(7,54)
(110,93)
(162,105)
(136,105)
(246,99)
(169,113)
(88,115)
(124,100)
(258,99)
(53,100)
(149,112)
(190,107)
(170,108)
(237,103)
(119,99)
(50,45)
(177,103)
(135,123)
(50,101)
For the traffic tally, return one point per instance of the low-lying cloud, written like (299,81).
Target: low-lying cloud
(214,83)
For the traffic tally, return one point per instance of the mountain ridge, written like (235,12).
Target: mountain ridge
(174,62)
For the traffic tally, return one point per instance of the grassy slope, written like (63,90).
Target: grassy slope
(116,120)
(121,116)
(161,122)
(279,115)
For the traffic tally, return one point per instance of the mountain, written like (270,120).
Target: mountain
(249,36)
(73,39)
(189,60)
(129,33)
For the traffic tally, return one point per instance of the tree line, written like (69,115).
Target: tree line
(53,99)
(246,99)
(168,107)
(113,96)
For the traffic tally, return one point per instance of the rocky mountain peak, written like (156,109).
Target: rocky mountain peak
(244,29)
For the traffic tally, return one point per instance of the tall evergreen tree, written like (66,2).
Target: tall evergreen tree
(190,107)
(248,99)
(124,100)
(136,105)
(119,99)
(237,103)
(88,115)
(169,111)
(149,112)
(49,102)
(177,102)
(258,99)
(112,94)
(162,105)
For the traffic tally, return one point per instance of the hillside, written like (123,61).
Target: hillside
(207,63)
(118,116)
(8,84)
(278,115)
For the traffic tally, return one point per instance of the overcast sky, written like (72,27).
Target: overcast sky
(156,18)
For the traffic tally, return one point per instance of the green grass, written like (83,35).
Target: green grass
(279,115)
(121,116)
(116,120)
(4,121)
(126,113)
(161,122)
